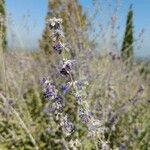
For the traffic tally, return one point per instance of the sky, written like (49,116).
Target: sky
(26,21)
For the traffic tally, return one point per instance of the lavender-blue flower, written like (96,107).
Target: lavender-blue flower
(58,47)
(65,88)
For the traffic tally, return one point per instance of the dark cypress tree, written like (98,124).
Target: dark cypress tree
(127,46)
(2,26)
(73,21)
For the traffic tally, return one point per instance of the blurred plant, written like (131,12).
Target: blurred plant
(50,91)
(99,128)
(89,102)
(75,25)
(2,25)
(127,46)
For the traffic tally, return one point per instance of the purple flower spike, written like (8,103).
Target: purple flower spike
(67,125)
(49,89)
(84,117)
(78,98)
(65,88)
(59,99)
(54,23)
(58,48)
(43,81)
(57,34)
(64,72)
(79,85)
(57,107)
(67,67)
(50,92)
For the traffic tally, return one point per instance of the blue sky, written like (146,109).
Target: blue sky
(28,20)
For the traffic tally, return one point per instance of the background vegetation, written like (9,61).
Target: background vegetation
(117,92)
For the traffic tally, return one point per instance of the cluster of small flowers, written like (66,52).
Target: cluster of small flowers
(57,108)
(66,125)
(49,89)
(94,125)
(67,67)
(50,92)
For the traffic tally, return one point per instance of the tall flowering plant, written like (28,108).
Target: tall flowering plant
(91,103)
(55,95)
(50,91)
(99,125)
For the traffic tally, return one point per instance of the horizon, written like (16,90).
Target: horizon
(31,15)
